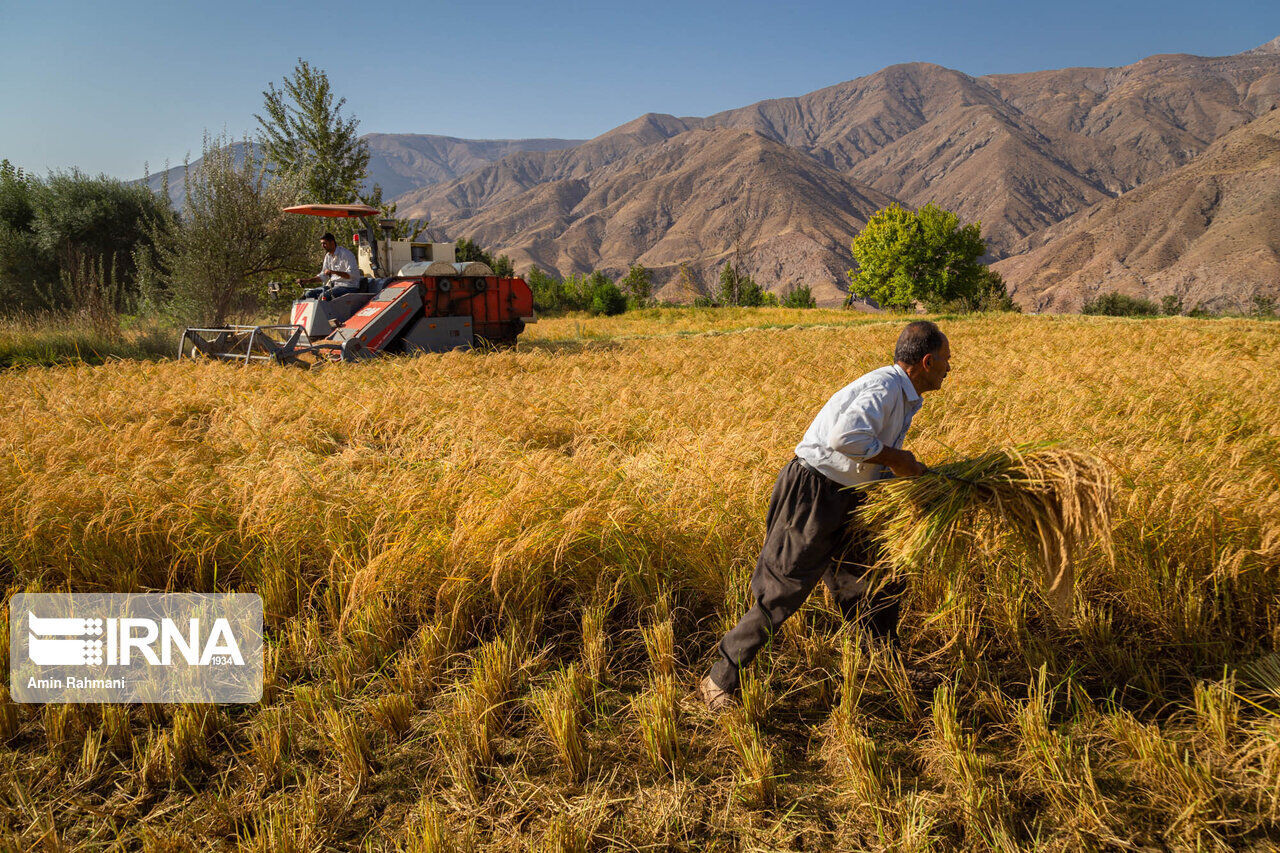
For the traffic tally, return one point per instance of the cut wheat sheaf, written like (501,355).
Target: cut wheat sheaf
(1050,501)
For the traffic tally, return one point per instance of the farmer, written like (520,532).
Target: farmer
(339,270)
(856,438)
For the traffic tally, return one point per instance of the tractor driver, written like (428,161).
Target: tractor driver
(339,270)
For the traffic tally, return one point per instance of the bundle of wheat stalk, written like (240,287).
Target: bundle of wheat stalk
(1051,500)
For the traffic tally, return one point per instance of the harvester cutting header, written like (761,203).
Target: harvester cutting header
(408,297)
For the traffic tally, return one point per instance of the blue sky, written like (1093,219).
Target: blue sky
(110,86)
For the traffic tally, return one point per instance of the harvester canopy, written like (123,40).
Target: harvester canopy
(334,211)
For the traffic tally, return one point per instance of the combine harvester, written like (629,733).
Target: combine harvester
(431,304)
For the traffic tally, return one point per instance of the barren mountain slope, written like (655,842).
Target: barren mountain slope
(838,126)
(1208,232)
(843,124)
(689,200)
(1121,127)
(1017,152)
(985,165)
(924,133)
(503,181)
(402,162)
(1020,151)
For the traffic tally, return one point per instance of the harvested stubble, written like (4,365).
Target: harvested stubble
(658,722)
(560,709)
(758,784)
(403,518)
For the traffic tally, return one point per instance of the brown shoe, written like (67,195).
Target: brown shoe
(714,697)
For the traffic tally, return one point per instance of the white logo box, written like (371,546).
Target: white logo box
(144,647)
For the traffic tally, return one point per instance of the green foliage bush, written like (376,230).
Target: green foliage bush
(606,297)
(546,290)
(595,293)
(1119,305)
(907,257)
(800,296)
(51,228)
(233,237)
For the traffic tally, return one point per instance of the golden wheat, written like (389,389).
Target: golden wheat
(418,523)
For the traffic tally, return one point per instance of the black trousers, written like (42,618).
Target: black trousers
(809,537)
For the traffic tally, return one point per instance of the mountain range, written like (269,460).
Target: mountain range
(1154,178)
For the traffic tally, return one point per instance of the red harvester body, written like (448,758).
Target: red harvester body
(429,306)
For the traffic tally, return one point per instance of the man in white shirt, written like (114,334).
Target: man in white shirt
(856,438)
(339,270)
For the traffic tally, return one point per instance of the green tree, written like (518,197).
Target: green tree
(25,266)
(53,231)
(752,295)
(503,267)
(800,296)
(638,285)
(304,137)
(992,294)
(575,293)
(1119,305)
(466,251)
(604,297)
(404,229)
(572,293)
(232,237)
(727,293)
(739,289)
(100,220)
(905,257)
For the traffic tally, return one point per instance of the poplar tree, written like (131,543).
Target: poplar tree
(304,136)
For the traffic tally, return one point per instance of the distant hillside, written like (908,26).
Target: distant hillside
(1207,232)
(1019,152)
(690,199)
(403,162)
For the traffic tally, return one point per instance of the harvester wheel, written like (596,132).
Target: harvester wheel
(444,285)
(481,285)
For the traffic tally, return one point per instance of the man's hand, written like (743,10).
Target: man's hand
(902,463)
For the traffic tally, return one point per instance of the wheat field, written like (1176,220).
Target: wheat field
(492,580)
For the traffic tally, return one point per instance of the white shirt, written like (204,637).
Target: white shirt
(857,422)
(340,260)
